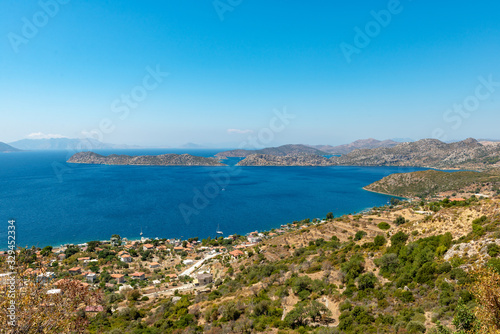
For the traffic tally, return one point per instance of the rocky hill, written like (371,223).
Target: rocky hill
(289,160)
(274,151)
(7,148)
(430,153)
(356,145)
(431,182)
(467,154)
(149,160)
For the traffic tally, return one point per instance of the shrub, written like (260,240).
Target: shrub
(388,263)
(359,235)
(345,306)
(399,221)
(493,250)
(384,226)
(443,268)
(415,327)
(407,297)
(494,264)
(367,281)
(426,273)
(399,238)
(379,241)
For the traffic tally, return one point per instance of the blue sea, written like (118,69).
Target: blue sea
(55,203)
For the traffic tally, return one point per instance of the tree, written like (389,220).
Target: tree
(316,310)
(329,216)
(464,319)
(46,251)
(367,281)
(400,220)
(134,295)
(91,245)
(399,239)
(71,250)
(359,235)
(297,315)
(379,241)
(395,201)
(388,263)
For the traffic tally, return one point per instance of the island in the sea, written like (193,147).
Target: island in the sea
(429,153)
(144,160)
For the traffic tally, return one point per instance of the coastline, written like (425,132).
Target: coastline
(378,192)
(65,244)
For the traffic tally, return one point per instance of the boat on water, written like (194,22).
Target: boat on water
(218,231)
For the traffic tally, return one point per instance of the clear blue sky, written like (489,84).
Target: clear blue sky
(231,73)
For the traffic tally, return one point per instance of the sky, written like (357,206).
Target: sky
(223,72)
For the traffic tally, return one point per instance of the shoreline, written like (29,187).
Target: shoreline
(60,245)
(378,192)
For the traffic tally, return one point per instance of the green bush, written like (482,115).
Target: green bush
(379,241)
(494,264)
(367,281)
(359,235)
(407,297)
(388,263)
(493,250)
(384,226)
(444,267)
(415,327)
(345,306)
(399,221)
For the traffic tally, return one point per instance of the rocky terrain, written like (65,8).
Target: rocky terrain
(467,154)
(428,182)
(430,153)
(289,160)
(272,151)
(356,145)
(149,160)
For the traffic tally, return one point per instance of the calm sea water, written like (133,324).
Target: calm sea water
(55,203)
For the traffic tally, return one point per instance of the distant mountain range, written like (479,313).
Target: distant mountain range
(432,153)
(65,144)
(7,148)
(357,145)
(192,146)
(311,149)
(275,151)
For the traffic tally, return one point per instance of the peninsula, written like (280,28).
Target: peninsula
(430,153)
(144,160)
(287,160)
(272,151)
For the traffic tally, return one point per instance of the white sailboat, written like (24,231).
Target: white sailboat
(218,231)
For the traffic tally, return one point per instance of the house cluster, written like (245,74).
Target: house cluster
(123,262)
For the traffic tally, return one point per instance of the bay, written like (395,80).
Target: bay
(56,203)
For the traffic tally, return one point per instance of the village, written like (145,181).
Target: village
(139,270)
